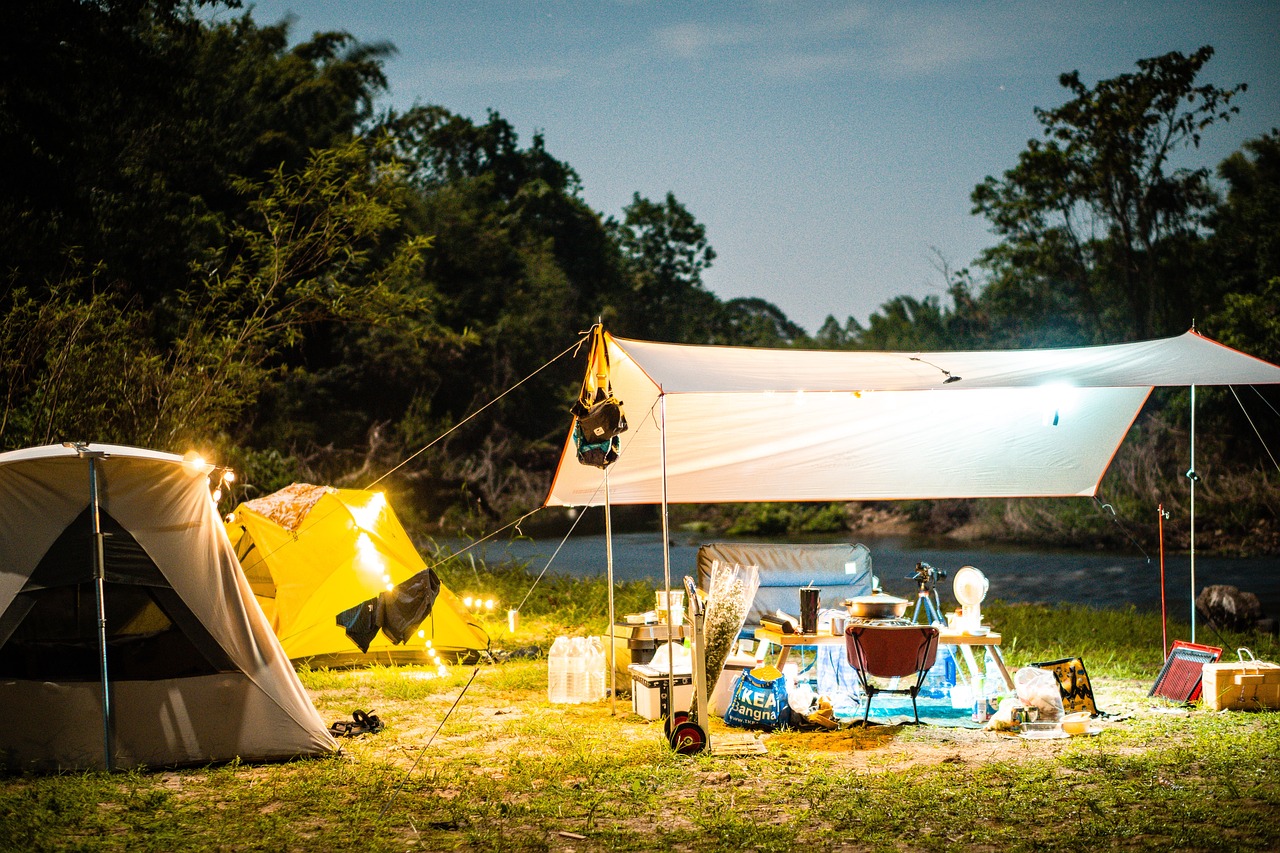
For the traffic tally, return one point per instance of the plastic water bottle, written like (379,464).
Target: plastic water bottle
(598,665)
(936,685)
(995,684)
(577,659)
(558,671)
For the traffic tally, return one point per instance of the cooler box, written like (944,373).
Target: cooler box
(649,692)
(637,644)
(1241,686)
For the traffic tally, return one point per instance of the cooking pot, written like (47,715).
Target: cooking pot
(877,606)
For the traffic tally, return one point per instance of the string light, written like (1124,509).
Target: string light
(476,603)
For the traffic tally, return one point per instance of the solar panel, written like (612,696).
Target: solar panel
(1179,680)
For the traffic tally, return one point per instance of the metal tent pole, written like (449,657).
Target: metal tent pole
(608,551)
(99,572)
(1161,515)
(1193,477)
(666,554)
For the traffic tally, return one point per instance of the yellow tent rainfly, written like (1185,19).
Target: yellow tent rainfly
(311,552)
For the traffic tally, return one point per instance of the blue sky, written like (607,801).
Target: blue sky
(828,147)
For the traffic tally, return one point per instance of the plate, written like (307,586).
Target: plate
(1049,734)
(979,632)
(1089,732)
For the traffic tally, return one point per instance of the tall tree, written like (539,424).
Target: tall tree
(124,124)
(666,250)
(1097,218)
(1245,249)
(754,322)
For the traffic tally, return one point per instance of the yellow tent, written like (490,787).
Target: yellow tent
(310,552)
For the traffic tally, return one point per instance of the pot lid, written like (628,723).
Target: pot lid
(876,598)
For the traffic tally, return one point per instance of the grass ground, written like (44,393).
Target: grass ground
(508,771)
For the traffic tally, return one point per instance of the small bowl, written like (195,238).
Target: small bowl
(1076,724)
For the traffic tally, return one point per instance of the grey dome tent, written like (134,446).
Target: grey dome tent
(128,634)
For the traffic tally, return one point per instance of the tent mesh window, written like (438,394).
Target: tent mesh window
(50,630)
(1179,679)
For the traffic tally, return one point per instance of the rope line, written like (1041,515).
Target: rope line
(1264,400)
(575,345)
(580,516)
(423,751)
(1116,520)
(572,347)
(1256,432)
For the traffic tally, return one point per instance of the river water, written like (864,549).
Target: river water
(1016,574)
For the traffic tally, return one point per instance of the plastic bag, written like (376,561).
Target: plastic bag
(731,591)
(1038,688)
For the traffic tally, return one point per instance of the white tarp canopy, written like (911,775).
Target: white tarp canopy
(749,424)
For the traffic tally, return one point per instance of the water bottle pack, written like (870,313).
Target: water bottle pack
(576,670)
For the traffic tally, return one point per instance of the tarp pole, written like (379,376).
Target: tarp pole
(1192,476)
(608,553)
(1161,515)
(99,573)
(666,556)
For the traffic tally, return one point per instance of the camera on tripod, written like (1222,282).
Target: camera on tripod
(927,577)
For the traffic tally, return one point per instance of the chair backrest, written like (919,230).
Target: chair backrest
(891,650)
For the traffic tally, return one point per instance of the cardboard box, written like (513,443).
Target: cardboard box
(650,688)
(1241,686)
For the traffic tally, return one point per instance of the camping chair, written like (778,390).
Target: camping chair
(891,651)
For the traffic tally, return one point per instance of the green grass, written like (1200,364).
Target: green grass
(508,771)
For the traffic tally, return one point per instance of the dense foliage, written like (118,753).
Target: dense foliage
(215,238)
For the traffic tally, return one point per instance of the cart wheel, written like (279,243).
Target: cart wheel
(688,738)
(674,720)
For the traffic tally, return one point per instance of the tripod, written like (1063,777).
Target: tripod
(926,578)
(927,600)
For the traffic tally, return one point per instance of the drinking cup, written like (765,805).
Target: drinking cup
(809,609)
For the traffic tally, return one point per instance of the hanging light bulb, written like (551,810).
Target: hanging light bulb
(217,495)
(194,463)
(228,476)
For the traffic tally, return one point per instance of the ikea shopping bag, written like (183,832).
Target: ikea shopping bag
(759,700)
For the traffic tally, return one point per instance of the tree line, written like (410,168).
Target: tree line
(217,238)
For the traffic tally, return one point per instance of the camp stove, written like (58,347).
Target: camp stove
(890,621)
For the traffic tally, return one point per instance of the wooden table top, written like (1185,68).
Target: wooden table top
(945,636)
